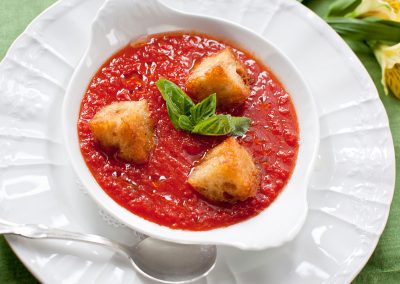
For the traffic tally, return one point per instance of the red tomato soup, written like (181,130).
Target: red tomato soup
(158,190)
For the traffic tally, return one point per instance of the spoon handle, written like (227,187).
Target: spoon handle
(43,232)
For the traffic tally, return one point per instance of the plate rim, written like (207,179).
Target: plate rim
(346,48)
(9,238)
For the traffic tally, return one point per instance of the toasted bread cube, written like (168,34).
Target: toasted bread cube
(127,127)
(221,74)
(226,173)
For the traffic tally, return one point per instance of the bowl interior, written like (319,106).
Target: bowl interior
(121,21)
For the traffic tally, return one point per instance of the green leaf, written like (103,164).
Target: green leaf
(173,112)
(181,100)
(205,109)
(185,123)
(359,46)
(223,124)
(342,7)
(366,29)
(178,103)
(241,125)
(215,125)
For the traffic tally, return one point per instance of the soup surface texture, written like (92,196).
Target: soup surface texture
(158,190)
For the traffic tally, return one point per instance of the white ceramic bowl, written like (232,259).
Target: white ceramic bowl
(121,21)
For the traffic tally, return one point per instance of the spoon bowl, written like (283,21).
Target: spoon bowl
(171,262)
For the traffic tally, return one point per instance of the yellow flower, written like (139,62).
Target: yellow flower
(383,9)
(389,59)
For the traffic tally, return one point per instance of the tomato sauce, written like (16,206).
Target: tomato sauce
(158,190)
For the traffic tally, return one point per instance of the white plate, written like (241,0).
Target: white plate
(350,191)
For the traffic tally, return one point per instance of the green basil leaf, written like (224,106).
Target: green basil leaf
(178,97)
(205,109)
(214,126)
(241,125)
(185,123)
(173,114)
(223,124)
(173,111)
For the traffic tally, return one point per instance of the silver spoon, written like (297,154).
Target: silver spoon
(158,260)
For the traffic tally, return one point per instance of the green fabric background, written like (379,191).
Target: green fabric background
(384,265)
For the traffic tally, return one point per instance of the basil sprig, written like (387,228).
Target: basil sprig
(199,118)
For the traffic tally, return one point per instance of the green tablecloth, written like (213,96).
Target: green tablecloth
(384,265)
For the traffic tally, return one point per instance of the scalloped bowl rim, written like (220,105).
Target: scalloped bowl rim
(276,224)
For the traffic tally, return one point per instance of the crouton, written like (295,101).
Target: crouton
(126,127)
(226,173)
(221,74)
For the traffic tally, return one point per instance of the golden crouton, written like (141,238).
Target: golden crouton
(226,173)
(127,127)
(221,74)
